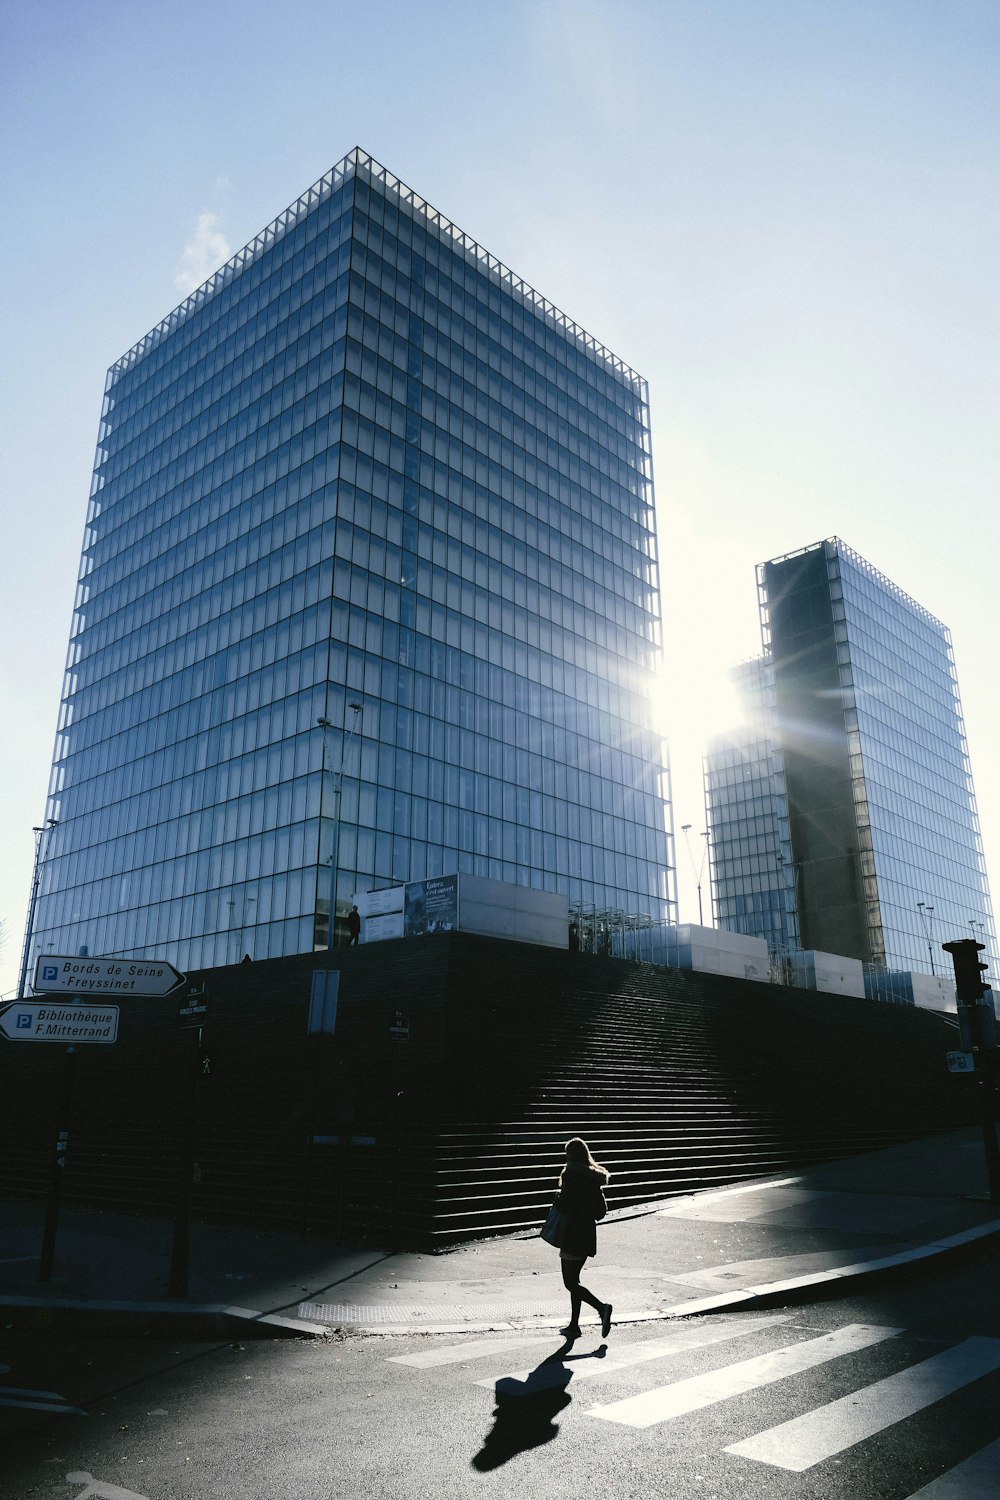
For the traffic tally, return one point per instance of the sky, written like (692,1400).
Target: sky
(784,213)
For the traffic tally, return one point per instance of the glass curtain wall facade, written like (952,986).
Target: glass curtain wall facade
(884,831)
(364,476)
(747,812)
(915,778)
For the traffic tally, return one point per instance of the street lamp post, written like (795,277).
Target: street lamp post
(699,869)
(926,912)
(42,835)
(338,782)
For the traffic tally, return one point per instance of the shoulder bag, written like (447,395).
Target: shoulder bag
(553,1228)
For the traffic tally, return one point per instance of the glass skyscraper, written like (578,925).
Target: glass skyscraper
(369,574)
(874,808)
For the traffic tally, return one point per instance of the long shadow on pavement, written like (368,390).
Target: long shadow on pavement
(525,1409)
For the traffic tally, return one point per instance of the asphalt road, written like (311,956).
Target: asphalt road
(871,1397)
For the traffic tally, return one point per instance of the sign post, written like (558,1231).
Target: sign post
(191,1014)
(43,1021)
(321,1028)
(58,1169)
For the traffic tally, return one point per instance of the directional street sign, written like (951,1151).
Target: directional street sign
(40,1021)
(193,1013)
(105,976)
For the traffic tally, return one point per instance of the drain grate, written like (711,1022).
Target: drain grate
(427,1312)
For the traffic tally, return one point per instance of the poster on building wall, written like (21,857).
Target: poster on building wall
(431,906)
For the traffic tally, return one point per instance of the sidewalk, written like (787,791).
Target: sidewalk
(772,1240)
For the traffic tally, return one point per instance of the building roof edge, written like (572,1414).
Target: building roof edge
(346,168)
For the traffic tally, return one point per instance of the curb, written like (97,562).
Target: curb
(218,1320)
(195,1320)
(771,1291)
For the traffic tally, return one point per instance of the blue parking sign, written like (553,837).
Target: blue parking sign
(24,1020)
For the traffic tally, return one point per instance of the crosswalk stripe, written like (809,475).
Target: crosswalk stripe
(807,1440)
(455,1354)
(558,1372)
(978,1478)
(669,1401)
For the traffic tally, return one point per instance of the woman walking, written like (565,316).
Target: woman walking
(581,1200)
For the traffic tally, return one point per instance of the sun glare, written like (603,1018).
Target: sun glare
(693,703)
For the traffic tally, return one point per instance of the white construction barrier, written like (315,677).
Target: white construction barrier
(934,992)
(465,903)
(711,950)
(831,973)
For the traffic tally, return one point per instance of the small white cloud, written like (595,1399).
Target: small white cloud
(204,253)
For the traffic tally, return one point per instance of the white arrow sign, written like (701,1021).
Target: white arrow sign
(106,976)
(38,1021)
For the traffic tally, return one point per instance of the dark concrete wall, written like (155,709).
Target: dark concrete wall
(678,1080)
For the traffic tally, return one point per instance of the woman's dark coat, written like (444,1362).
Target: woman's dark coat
(582,1201)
